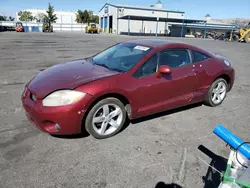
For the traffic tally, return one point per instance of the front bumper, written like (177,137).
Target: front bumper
(232,78)
(93,30)
(63,120)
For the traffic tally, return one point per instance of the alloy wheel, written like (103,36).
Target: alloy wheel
(107,119)
(219,92)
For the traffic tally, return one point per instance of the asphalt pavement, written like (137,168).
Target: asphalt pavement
(159,148)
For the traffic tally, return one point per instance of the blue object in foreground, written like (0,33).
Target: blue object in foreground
(232,140)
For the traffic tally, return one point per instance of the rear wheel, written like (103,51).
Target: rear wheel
(247,38)
(216,93)
(106,118)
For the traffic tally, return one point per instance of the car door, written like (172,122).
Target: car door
(148,93)
(181,85)
(199,61)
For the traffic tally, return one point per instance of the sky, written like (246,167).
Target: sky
(219,9)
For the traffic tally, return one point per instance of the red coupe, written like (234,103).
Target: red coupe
(128,80)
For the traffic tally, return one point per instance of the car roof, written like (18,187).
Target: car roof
(155,43)
(162,44)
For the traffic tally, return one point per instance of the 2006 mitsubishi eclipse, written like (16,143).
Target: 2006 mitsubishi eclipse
(128,80)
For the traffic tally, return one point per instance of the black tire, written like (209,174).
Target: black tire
(208,99)
(88,122)
(247,38)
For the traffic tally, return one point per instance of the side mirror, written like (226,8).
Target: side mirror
(163,69)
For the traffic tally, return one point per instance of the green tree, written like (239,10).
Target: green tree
(85,16)
(11,18)
(40,17)
(25,16)
(95,19)
(82,16)
(5,18)
(79,16)
(2,18)
(92,17)
(50,17)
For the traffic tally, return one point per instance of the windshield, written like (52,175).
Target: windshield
(93,26)
(18,24)
(121,57)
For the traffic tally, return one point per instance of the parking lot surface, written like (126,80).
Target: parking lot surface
(159,148)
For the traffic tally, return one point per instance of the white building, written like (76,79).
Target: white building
(64,17)
(115,18)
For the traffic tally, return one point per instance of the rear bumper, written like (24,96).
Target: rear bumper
(62,120)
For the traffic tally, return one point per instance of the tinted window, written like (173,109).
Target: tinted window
(197,56)
(121,57)
(174,58)
(149,67)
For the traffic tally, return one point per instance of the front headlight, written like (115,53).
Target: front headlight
(228,63)
(63,97)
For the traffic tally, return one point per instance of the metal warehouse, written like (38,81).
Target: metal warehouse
(151,20)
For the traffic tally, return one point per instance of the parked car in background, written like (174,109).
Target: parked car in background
(128,80)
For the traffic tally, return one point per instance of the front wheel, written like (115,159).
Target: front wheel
(216,93)
(106,118)
(247,38)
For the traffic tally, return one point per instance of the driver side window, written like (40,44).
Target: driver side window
(148,68)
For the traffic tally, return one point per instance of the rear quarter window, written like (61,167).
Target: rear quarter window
(198,56)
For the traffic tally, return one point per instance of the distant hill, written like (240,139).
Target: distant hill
(238,21)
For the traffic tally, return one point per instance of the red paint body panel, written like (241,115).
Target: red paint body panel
(146,95)
(66,76)
(67,117)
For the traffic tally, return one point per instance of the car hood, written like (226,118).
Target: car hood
(66,76)
(219,56)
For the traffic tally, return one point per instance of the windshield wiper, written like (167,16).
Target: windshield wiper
(115,69)
(104,65)
(90,59)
